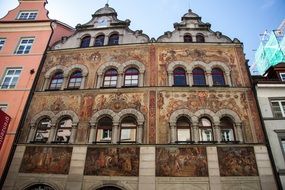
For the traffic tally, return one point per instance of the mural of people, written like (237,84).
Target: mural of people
(50,160)
(181,162)
(237,161)
(112,161)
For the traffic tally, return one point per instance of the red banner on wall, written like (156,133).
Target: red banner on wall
(4,123)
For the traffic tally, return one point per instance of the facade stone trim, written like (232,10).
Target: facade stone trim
(139,116)
(51,71)
(72,68)
(105,112)
(208,113)
(40,116)
(227,112)
(61,114)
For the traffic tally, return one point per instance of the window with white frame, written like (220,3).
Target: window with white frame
(2,42)
(11,78)
(27,15)
(3,107)
(205,129)
(104,130)
(128,129)
(282,76)
(25,46)
(278,108)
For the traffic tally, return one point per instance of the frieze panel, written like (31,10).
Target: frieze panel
(181,162)
(120,101)
(112,161)
(204,55)
(48,160)
(237,161)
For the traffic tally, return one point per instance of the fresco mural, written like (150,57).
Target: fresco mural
(49,160)
(181,162)
(112,161)
(237,161)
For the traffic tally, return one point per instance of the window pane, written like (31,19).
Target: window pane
(276,109)
(183,135)
(227,134)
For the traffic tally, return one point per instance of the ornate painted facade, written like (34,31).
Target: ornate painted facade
(121,111)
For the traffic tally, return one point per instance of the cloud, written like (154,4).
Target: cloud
(267,4)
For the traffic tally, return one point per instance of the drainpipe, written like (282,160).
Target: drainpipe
(25,112)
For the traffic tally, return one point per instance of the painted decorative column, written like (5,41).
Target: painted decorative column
(172,133)
(83,82)
(196,132)
(228,78)
(120,80)
(65,82)
(141,79)
(170,78)
(32,133)
(190,78)
(92,42)
(99,80)
(209,78)
(217,132)
(92,133)
(46,84)
(140,133)
(239,132)
(115,133)
(52,133)
(73,133)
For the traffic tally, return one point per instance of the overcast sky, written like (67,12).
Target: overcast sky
(242,19)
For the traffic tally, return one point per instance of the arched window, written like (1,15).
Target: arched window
(113,39)
(43,130)
(109,188)
(85,42)
(99,40)
(104,130)
(64,130)
(199,77)
(205,129)
(56,81)
(75,80)
(188,38)
(179,76)
(131,77)
(227,129)
(183,129)
(110,78)
(218,77)
(128,129)
(200,38)
(39,187)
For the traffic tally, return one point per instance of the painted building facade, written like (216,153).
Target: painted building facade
(271,94)
(114,109)
(25,33)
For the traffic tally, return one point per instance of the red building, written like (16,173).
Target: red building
(25,34)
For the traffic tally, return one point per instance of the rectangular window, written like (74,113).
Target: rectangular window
(282,76)
(10,79)
(278,108)
(25,46)
(27,15)
(2,42)
(3,107)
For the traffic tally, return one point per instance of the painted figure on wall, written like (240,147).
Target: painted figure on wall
(237,161)
(112,162)
(181,162)
(50,160)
